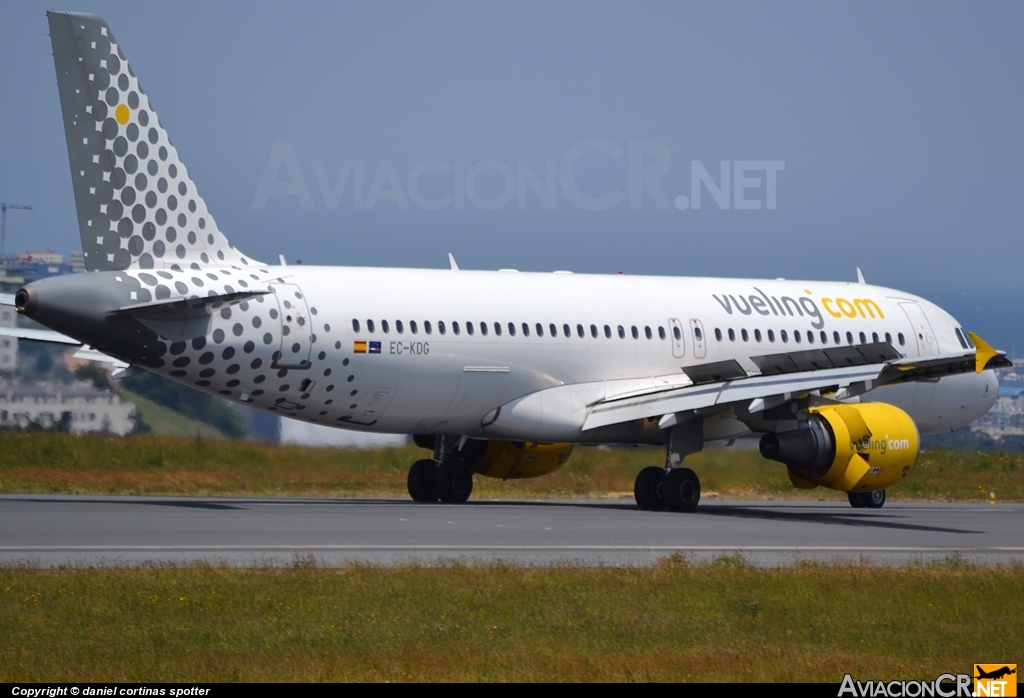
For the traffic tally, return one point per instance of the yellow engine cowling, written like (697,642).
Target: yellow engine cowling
(513,460)
(851,448)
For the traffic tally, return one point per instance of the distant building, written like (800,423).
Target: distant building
(78,408)
(78,262)
(8,345)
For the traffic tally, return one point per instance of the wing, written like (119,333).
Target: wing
(773,379)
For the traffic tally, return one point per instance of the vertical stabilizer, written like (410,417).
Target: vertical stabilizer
(137,206)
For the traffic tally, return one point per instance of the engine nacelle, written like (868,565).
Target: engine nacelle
(508,460)
(850,448)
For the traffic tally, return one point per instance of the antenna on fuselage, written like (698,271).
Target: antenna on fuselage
(860,277)
(451,260)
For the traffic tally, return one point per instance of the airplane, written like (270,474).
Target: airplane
(495,373)
(995,673)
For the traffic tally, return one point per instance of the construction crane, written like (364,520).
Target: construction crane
(3,225)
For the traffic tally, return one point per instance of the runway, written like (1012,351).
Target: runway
(45,530)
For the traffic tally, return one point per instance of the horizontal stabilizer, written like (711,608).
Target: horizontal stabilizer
(51,337)
(200,303)
(48,336)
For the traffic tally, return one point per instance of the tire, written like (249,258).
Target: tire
(681,490)
(421,482)
(856,499)
(647,489)
(875,499)
(454,482)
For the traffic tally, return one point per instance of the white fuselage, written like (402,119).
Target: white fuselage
(437,351)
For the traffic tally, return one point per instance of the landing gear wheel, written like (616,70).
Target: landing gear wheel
(647,489)
(454,483)
(422,476)
(875,499)
(681,490)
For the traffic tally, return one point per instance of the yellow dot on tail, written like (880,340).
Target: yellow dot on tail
(121,114)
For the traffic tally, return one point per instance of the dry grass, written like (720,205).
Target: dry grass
(59,463)
(676,621)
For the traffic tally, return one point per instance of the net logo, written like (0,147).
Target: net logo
(995,680)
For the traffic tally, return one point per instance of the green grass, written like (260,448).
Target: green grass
(60,463)
(721,621)
(165,421)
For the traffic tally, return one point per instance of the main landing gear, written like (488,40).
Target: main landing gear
(874,499)
(673,487)
(445,479)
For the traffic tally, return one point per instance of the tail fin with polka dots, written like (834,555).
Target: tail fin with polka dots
(137,206)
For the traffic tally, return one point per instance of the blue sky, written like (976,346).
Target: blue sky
(899,126)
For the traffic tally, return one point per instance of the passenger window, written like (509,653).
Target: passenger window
(888,338)
(511,329)
(540,330)
(554,329)
(771,335)
(677,333)
(483,328)
(796,336)
(579,331)
(757,335)
(497,328)
(648,333)
(369,326)
(718,333)
(732,335)
(440,326)
(744,335)
(900,337)
(824,337)
(783,336)
(874,337)
(526,330)
(412,327)
(607,332)
(849,338)
(835,338)
(384,326)
(593,331)
(863,339)
(426,326)
(399,326)
(810,337)
(469,328)
(635,332)
(566,331)
(455,327)
(622,332)
(661,332)
(355,325)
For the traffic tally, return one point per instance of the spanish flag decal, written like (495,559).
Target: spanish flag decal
(359,347)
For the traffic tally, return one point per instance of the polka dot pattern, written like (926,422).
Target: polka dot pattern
(137,206)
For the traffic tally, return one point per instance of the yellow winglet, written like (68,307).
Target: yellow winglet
(983,352)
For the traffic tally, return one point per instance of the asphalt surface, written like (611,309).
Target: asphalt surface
(45,530)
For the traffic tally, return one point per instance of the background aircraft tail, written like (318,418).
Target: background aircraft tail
(137,206)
